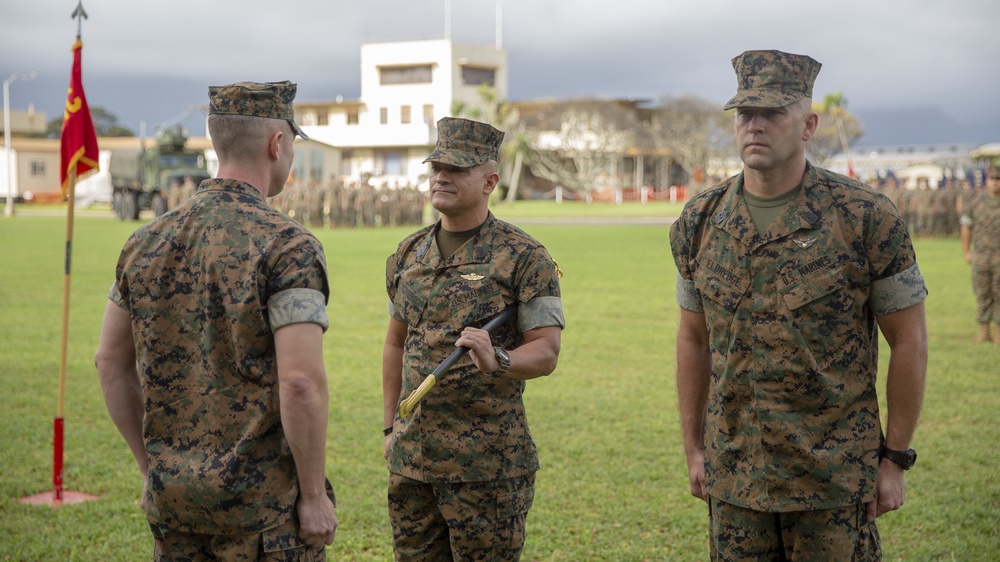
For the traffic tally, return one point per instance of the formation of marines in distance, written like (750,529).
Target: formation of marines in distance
(929,212)
(336,204)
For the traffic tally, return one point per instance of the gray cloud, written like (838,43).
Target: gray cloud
(151,61)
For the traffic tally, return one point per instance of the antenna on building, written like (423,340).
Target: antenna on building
(499,24)
(447,20)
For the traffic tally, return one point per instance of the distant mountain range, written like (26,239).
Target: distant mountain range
(161,102)
(922,126)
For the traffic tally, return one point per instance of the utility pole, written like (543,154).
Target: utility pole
(11,192)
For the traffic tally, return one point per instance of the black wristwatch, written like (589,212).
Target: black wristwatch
(503,358)
(905,459)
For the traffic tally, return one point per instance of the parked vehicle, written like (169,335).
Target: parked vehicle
(142,178)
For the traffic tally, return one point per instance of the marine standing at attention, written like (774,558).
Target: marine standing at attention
(786,275)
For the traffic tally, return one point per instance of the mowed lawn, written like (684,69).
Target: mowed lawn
(613,484)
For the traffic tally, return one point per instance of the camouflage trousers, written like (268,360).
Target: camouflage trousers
(481,521)
(280,544)
(986,286)
(840,534)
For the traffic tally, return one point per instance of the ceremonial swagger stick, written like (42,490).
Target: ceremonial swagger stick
(407,406)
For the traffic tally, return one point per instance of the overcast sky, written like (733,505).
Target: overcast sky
(916,71)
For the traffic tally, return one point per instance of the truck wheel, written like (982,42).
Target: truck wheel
(116,205)
(130,206)
(159,204)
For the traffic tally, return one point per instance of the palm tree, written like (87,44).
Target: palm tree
(502,115)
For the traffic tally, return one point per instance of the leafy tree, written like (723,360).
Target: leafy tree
(105,124)
(837,128)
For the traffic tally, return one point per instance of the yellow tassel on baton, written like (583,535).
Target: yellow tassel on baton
(407,405)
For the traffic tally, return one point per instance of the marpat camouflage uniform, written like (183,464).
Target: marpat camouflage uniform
(470,427)
(982,215)
(793,417)
(469,436)
(206,285)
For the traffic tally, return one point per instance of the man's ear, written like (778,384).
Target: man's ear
(274,144)
(492,181)
(812,122)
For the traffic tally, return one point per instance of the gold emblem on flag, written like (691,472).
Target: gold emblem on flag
(472,277)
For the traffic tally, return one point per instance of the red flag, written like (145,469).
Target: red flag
(78,140)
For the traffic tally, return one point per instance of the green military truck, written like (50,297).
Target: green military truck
(142,178)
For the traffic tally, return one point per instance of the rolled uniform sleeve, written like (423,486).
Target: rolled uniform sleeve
(296,306)
(897,292)
(897,282)
(115,296)
(687,296)
(540,312)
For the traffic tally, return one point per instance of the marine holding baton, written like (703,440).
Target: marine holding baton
(462,463)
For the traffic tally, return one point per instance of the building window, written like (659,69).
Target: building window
(428,113)
(392,163)
(38,167)
(476,75)
(383,115)
(404,114)
(323,118)
(345,162)
(352,117)
(315,165)
(417,74)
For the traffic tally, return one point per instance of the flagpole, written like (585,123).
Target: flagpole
(59,422)
(78,148)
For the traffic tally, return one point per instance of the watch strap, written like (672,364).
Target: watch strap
(503,359)
(905,459)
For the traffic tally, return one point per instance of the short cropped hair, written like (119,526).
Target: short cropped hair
(238,137)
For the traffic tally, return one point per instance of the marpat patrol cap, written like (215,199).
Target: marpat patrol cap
(465,144)
(255,99)
(772,79)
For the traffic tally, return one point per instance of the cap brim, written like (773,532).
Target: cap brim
(456,158)
(298,130)
(762,98)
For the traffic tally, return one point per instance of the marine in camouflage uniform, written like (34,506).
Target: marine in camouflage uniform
(209,300)
(782,292)
(462,464)
(981,246)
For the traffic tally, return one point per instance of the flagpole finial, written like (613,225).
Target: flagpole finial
(79,14)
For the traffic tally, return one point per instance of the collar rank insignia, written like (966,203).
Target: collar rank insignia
(803,242)
(473,277)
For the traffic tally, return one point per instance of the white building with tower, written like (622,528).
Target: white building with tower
(382,137)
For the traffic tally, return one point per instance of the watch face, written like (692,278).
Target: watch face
(503,355)
(905,459)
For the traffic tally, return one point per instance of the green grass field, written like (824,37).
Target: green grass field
(613,484)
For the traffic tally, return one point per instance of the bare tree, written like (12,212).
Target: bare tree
(695,130)
(578,143)
(837,129)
